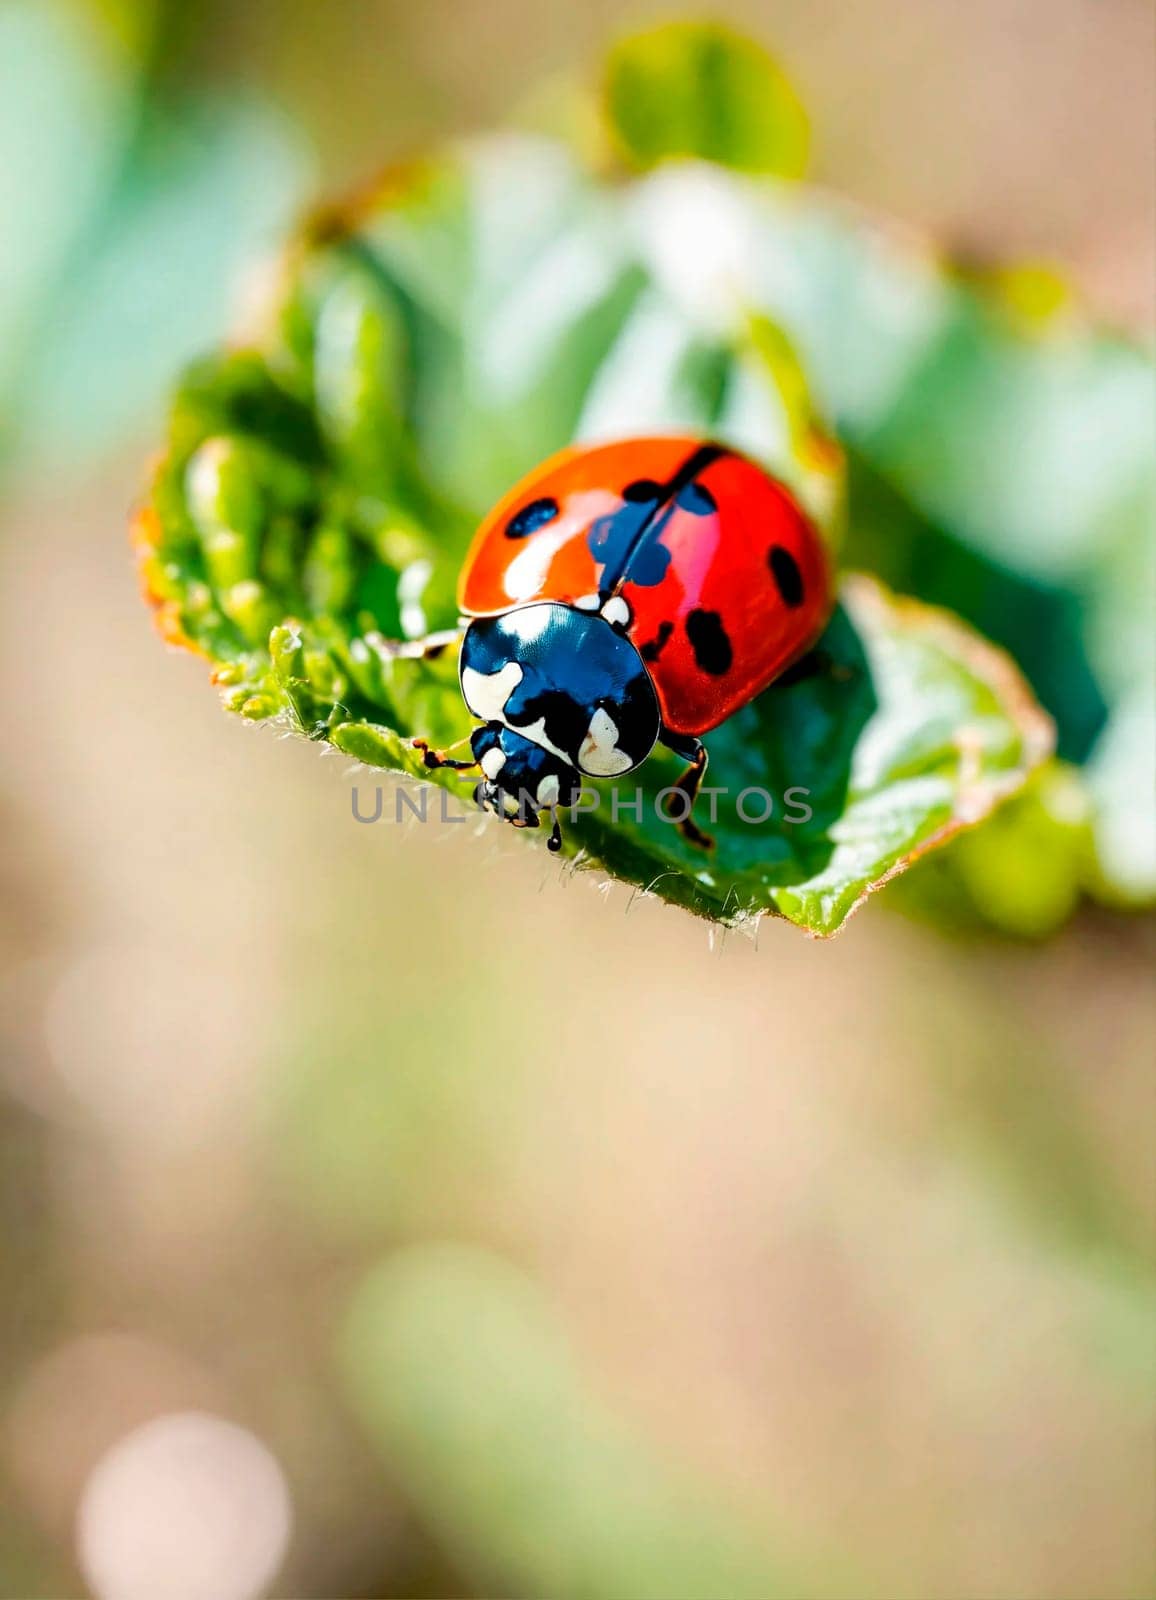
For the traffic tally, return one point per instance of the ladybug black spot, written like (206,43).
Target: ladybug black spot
(697,499)
(708,640)
(652,650)
(642,491)
(788,578)
(532,517)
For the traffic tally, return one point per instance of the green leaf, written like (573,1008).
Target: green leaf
(319,490)
(693,89)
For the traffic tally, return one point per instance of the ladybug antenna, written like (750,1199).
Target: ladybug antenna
(554,842)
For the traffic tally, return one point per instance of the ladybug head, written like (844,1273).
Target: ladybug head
(520,778)
(561,692)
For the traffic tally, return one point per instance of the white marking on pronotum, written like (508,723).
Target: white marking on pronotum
(492,762)
(616,611)
(587,602)
(486,693)
(600,755)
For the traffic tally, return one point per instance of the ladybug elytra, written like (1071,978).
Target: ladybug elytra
(621,596)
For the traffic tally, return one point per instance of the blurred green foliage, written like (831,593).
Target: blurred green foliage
(464,1378)
(133,209)
(690,89)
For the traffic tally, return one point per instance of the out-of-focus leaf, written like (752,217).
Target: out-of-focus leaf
(1021,873)
(65,118)
(466,1385)
(191,209)
(695,89)
(318,494)
(129,26)
(126,225)
(155,36)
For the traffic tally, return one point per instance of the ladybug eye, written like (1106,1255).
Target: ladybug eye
(532,517)
(641,491)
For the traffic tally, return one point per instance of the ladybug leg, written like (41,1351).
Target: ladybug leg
(438,758)
(529,818)
(694,751)
(427,649)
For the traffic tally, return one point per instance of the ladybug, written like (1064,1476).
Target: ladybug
(622,596)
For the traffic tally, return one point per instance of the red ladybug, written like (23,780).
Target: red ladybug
(622,596)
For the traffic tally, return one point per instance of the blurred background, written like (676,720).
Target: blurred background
(388,1213)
